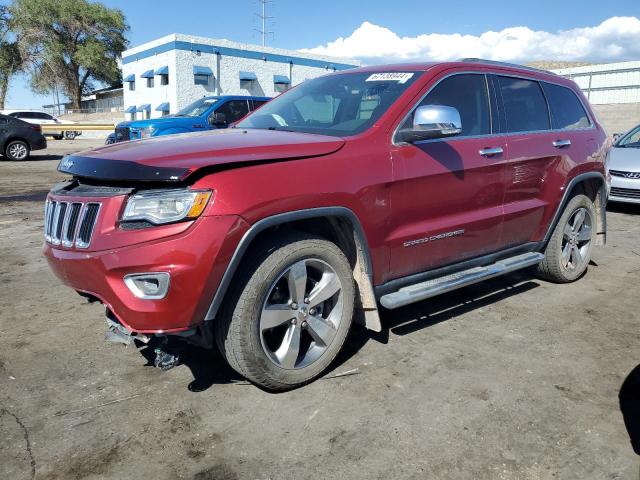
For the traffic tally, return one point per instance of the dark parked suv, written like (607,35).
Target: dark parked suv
(18,138)
(369,188)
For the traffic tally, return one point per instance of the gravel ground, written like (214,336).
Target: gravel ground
(511,379)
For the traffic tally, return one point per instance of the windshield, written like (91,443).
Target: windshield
(197,108)
(631,139)
(337,105)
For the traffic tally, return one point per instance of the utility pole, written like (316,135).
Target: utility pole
(264,18)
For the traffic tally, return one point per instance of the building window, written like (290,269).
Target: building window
(164,79)
(200,79)
(150,82)
(132,86)
(280,87)
(281,83)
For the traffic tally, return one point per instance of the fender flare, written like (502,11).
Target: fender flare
(372,320)
(565,199)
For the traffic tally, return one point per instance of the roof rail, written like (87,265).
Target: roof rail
(506,64)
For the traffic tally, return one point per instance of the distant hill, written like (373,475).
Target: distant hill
(554,65)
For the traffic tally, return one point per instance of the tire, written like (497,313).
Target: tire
(70,135)
(17,150)
(263,315)
(558,266)
(57,137)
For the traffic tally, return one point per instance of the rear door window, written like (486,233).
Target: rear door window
(234,110)
(468,94)
(258,103)
(524,105)
(567,112)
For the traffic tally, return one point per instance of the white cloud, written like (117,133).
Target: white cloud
(615,39)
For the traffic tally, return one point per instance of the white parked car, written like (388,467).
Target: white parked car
(43,118)
(624,167)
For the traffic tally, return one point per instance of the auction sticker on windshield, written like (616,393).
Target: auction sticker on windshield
(400,77)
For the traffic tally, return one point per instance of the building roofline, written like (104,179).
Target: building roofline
(177,41)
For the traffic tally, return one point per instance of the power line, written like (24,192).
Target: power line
(264,19)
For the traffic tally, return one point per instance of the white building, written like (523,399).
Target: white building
(613,89)
(167,74)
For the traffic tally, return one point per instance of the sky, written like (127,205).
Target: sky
(380,31)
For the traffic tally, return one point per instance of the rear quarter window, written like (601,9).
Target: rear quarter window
(524,105)
(567,112)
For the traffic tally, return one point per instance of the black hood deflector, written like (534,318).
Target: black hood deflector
(119,170)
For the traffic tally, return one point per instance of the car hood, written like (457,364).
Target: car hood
(624,159)
(173,158)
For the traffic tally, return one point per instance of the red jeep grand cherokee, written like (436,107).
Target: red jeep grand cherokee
(384,185)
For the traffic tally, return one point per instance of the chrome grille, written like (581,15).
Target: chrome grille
(122,134)
(625,192)
(70,223)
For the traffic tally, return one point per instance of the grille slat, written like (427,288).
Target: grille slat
(88,222)
(54,223)
(70,223)
(62,214)
(69,235)
(625,192)
(47,217)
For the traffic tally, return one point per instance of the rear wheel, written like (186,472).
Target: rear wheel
(569,250)
(290,314)
(17,150)
(70,135)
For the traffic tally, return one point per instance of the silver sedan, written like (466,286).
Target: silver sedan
(624,167)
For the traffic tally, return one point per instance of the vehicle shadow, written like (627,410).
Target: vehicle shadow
(421,315)
(209,368)
(35,196)
(626,208)
(629,398)
(34,157)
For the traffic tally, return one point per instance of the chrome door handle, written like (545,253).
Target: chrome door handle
(490,152)
(561,143)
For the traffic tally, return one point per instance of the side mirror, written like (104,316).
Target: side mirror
(432,121)
(218,119)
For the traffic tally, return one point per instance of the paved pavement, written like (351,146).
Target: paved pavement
(512,379)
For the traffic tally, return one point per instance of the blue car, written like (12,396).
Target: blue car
(206,113)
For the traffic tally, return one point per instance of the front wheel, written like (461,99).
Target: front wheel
(290,314)
(569,249)
(70,135)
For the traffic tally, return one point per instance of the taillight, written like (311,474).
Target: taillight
(37,128)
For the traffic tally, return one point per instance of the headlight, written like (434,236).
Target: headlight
(166,206)
(147,132)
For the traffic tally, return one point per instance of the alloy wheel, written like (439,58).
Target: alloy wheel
(301,313)
(576,240)
(18,151)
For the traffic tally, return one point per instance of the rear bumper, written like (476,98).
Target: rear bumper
(195,259)
(39,143)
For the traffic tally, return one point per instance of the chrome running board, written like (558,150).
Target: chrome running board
(431,288)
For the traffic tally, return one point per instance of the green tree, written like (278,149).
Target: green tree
(10,59)
(71,43)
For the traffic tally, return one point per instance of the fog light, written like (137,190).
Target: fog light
(149,286)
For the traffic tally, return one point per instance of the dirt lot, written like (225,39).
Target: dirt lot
(512,379)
